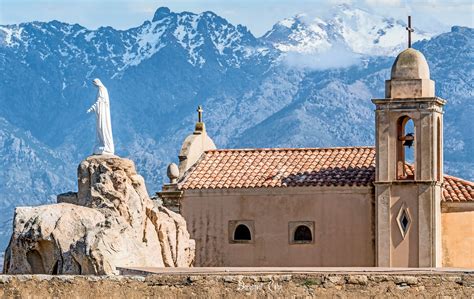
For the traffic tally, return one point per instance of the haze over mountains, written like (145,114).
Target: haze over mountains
(307,82)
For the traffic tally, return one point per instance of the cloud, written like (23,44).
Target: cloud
(383,2)
(338,56)
(336,2)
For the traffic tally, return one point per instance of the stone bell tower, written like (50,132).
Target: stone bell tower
(408,193)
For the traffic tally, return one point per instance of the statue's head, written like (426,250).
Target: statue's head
(97,82)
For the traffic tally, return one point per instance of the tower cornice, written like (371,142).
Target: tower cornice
(427,104)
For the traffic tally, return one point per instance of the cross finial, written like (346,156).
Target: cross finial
(199,111)
(410,30)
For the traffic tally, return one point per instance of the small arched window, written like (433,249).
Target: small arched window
(242,233)
(303,234)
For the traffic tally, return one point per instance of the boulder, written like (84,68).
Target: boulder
(110,222)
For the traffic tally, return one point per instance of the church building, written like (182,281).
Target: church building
(388,205)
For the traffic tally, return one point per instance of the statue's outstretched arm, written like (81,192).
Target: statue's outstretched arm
(94,106)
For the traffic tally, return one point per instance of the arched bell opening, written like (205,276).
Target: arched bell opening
(406,147)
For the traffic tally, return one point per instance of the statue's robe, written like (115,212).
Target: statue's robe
(104,140)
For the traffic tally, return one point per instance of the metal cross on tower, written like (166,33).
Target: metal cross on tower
(410,30)
(199,111)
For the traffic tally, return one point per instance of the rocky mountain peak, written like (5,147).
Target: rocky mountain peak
(161,13)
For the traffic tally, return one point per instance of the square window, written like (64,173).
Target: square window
(301,232)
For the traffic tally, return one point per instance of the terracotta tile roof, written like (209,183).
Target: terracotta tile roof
(457,190)
(282,167)
(287,167)
(454,189)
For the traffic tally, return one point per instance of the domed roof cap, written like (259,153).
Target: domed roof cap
(410,64)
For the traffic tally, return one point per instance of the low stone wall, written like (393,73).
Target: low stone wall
(458,285)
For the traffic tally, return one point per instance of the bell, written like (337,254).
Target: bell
(408,139)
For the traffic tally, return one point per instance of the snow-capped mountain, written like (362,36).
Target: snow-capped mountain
(115,50)
(357,30)
(158,73)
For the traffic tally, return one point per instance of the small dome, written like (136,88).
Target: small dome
(410,64)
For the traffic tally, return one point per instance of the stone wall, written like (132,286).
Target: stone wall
(360,285)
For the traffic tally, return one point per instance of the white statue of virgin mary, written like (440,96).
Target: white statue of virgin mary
(104,140)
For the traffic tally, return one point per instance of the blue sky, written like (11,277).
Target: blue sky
(257,15)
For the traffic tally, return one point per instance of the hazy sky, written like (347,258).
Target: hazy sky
(257,15)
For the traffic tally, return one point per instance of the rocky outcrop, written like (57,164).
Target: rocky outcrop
(110,222)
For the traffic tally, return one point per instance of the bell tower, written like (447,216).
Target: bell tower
(409,166)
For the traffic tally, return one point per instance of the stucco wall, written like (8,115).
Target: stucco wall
(458,238)
(421,246)
(343,226)
(404,251)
